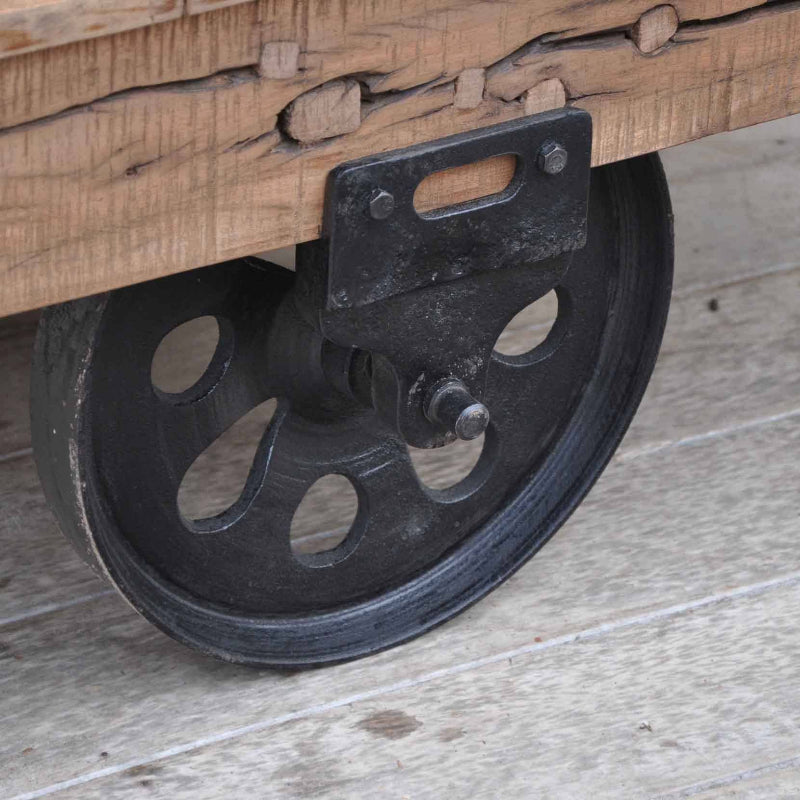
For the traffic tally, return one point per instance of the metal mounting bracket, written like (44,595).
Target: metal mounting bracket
(379,246)
(427,294)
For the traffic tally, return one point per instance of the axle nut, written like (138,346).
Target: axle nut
(451,405)
(381,204)
(552,158)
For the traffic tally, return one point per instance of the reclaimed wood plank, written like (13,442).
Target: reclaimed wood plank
(30,25)
(629,713)
(652,534)
(168,178)
(27,25)
(40,84)
(379,41)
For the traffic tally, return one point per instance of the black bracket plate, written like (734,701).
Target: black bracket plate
(537,216)
(427,295)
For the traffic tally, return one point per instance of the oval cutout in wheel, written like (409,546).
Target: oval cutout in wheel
(529,328)
(324,517)
(184,354)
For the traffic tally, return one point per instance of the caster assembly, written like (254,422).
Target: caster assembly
(382,340)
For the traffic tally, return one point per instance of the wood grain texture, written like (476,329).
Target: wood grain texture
(31,25)
(279,60)
(461,184)
(544,96)
(27,25)
(469,88)
(332,109)
(379,42)
(712,378)
(40,84)
(39,570)
(778,780)
(166,178)
(736,198)
(695,702)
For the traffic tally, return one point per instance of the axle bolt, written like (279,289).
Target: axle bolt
(381,204)
(451,405)
(552,158)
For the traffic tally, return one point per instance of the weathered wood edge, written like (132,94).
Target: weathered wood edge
(30,26)
(157,180)
(390,46)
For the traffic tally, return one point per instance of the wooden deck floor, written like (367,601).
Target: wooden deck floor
(652,650)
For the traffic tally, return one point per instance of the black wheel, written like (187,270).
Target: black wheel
(112,449)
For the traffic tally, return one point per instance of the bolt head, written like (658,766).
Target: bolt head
(472,422)
(381,204)
(552,158)
(451,405)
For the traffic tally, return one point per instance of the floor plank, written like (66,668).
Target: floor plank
(558,721)
(736,203)
(39,570)
(650,535)
(719,369)
(778,780)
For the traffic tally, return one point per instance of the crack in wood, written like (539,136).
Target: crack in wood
(547,44)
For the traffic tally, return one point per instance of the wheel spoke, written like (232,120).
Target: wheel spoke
(531,397)
(185,430)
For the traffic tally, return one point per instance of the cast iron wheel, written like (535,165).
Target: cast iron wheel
(112,450)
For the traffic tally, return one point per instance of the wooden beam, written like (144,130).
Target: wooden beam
(391,45)
(30,25)
(158,180)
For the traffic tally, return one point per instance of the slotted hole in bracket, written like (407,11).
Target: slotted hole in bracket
(449,188)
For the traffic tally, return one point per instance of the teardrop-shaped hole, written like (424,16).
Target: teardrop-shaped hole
(184,355)
(444,467)
(217,477)
(324,517)
(529,328)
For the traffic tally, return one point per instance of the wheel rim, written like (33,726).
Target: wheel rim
(230,585)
